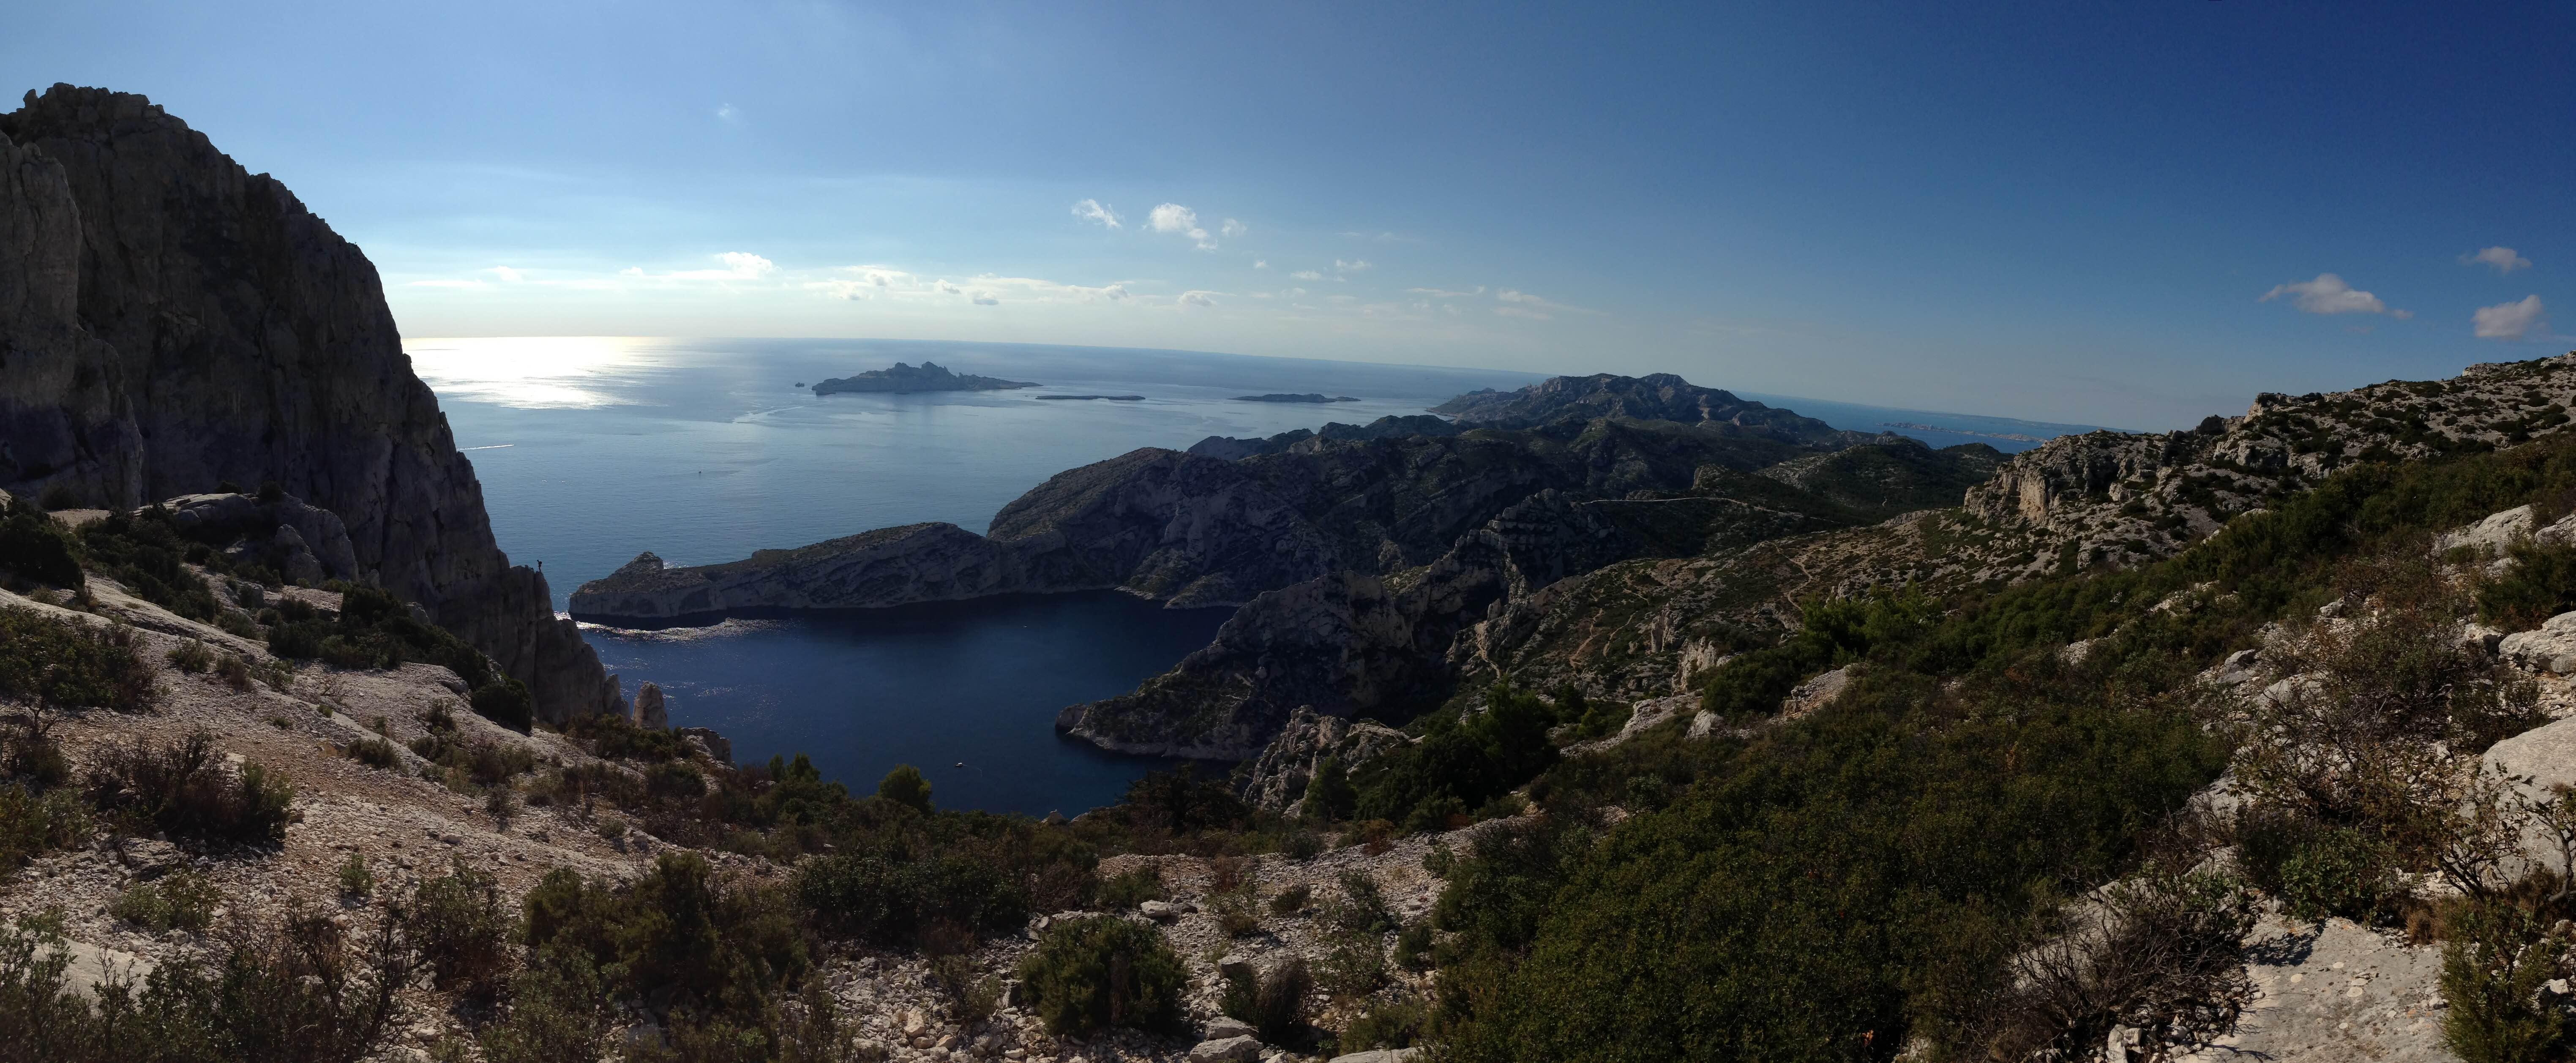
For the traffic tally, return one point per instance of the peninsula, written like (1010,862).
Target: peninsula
(905,380)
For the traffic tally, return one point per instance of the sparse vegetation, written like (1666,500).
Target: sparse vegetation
(1091,974)
(180,900)
(72,664)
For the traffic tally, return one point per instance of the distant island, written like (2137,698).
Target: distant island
(1075,398)
(1307,397)
(2014,436)
(904,380)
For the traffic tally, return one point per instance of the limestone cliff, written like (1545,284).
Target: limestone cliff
(170,321)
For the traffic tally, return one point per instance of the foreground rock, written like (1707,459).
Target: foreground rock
(174,322)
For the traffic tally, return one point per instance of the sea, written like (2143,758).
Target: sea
(593,449)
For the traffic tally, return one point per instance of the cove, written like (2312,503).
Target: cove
(931,685)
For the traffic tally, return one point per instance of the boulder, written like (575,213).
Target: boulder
(1226,1027)
(1234,965)
(1379,1055)
(90,966)
(2490,535)
(1242,1049)
(1815,693)
(1160,911)
(717,747)
(651,712)
(2552,648)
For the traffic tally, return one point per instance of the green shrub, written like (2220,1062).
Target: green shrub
(892,901)
(357,882)
(561,1010)
(461,929)
(2493,970)
(180,900)
(1354,962)
(37,547)
(1329,795)
(1413,947)
(32,824)
(505,702)
(1089,974)
(1131,888)
(972,996)
(192,656)
(2540,584)
(1460,763)
(72,664)
(1398,1023)
(2341,871)
(1273,1002)
(375,753)
(146,553)
(679,933)
(1363,908)
(1292,900)
(182,788)
(905,786)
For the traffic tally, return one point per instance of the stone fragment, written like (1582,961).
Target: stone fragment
(1224,1027)
(2552,648)
(1159,911)
(1240,1049)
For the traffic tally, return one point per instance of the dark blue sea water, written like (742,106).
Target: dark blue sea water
(591,449)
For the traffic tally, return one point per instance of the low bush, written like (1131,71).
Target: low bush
(905,786)
(461,929)
(180,900)
(36,547)
(1398,1023)
(72,664)
(1090,974)
(562,1010)
(32,824)
(971,995)
(357,881)
(2540,584)
(892,901)
(615,737)
(2342,871)
(1128,889)
(2494,973)
(678,937)
(1362,908)
(192,656)
(1274,1002)
(375,753)
(183,788)
(146,553)
(1292,900)
(1460,763)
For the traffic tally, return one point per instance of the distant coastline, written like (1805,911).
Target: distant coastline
(1078,398)
(1307,397)
(1913,427)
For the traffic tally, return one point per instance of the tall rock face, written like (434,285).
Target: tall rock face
(170,321)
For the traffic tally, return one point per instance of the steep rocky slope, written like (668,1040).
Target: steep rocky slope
(1352,642)
(170,322)
(1194,530)
(1642,628)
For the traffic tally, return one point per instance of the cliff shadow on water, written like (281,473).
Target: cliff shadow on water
(936,685)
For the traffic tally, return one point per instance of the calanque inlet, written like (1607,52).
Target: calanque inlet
(1610,717)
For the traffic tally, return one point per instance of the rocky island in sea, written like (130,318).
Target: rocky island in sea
(904,379)
(1283,397)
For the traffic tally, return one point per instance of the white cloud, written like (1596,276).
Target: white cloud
(1232,228)
(1197,299)
(1114,292)
(726,113)
(507,274)
(1443,293)
(1175,218)
(946,288)
(2502,258)
(2511,321)
(986,299)
(738,266)
(1092,210)
(1261,263)
(2328,294)
(1294,293)
(631,271)
(1352,266)
(1307,275)
(1523,304)
(1383,237)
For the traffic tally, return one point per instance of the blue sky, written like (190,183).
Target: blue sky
(2061,211)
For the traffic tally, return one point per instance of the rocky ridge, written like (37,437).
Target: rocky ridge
(170,322)
(1645,628)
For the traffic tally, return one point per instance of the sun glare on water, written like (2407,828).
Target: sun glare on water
(531,372)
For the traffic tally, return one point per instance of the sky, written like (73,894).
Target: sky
(2121,214)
